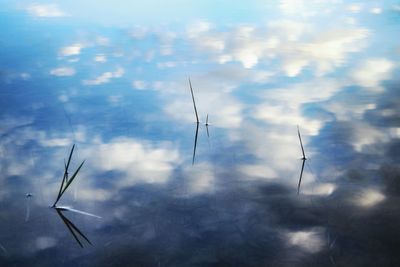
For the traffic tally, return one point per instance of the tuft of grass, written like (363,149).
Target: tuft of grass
(66,182)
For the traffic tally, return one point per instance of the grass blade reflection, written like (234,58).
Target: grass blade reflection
(72,228)
(303,159)
(301,175)
(195,142)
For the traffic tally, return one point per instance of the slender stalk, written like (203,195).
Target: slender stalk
(67,184)
(194,103)
(60,190)
(208,134)
(65,176)
(67,223)
(301,143)
(72,178)
(195,143)
(65,171)
(303,159)
(301,175)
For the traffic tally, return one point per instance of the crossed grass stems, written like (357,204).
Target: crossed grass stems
(66,181)
(65,184)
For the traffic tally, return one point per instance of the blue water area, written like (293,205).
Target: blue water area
(285,152)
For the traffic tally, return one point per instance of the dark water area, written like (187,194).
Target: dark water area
(285,153)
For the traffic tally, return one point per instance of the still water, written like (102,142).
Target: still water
(287,155)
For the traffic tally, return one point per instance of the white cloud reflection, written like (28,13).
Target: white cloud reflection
(319,189)
(49,10)
(369,197)
(138,161)
(283,106)
(310,241)
(45,242)
(354,8)
(376,10)
(63,71)
(100,58)
(71,50)
(327,51)
(105,77)
(277,154)
(200,179)
(257,171)
(139,84)
(362,135)
(297,44)
(138,32)
(371,72)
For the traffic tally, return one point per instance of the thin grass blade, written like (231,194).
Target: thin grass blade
(195,143)
(77,211)
(301,175)
(70,156)
(301,143)
(65,171)
(67,223)
(72,226)
(67,184)
(60,191)
(69,161)
(65,177)
(194,103)
(80,233)
(72,178)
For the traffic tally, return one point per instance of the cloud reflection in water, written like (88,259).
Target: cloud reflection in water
(122,95)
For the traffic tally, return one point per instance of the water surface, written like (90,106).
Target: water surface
(113,79)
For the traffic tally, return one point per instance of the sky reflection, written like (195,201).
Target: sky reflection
(112,78)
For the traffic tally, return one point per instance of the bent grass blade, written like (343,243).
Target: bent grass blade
(65,208)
